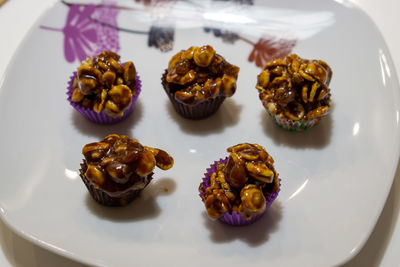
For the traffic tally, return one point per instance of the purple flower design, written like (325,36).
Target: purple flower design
(79,32)
(91,29)
(107,29)
(84,33)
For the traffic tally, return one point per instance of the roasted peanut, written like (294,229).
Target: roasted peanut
(115,65)
(272,107)
(295,111)
(96,79)
(318,112)
(293,87)
(249,171)
(185,97)
(119,160)
(88,79)
(188,54)
(163,160)
(117,171)
(204,55)
(253,201)
(112,110)
(77,96)
(229,85)
(263,79)
(109,78)
(188,77)
(202,73)
(129,72)
(95,151)
(121,95)
(260,171)
(183,67)
(217,204)
(146,163)
(99,103)
(111,138)
(235,171)
(95,174)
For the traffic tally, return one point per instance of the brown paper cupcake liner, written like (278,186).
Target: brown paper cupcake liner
(194,112)
(121,199)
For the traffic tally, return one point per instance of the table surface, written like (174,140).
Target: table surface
(383,245)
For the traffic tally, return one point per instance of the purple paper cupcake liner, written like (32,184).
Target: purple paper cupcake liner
(292,125)
(122,199)
(102,118)
(235,218)
(194,112)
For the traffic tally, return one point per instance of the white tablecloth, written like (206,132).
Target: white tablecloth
(381,249)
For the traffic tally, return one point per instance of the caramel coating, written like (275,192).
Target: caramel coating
(119,161)
(198,73)
(103,84)
(295,88)
(203,55)
(242,184)
(253,201)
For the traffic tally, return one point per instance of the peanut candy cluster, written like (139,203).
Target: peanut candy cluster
(103,84)
(242,184)
(198,73)
(118,160)
(295,88)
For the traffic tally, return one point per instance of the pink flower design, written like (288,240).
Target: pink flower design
(266,50)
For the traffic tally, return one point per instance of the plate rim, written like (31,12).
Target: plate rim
(86,260)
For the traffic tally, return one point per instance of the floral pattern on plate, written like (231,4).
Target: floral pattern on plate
(92,28)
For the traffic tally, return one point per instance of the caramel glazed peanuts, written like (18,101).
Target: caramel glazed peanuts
(118,162)
(242,184)
(198,73)
(295,88)
(103,84)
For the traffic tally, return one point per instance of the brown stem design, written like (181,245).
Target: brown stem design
(105,23)
(116,27)
(246,40)
(98,5)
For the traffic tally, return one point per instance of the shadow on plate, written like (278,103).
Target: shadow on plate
(254,234)
(227,115)
(124,127)
(144,207)
(317,137)
(372,252)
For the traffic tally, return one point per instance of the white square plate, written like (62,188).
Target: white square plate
(335,176)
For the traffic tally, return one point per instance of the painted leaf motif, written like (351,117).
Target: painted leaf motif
(79,33)
(266,50)
(107,36)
